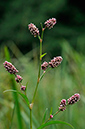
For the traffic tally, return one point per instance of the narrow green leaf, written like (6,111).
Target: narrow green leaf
(24,96)
(54,122)
(26,84)
(51,111)
(7,55)
(43,55)
(44,115)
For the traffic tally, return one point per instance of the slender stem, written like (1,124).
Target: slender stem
(47,70)
(38,80)
(30,118)
(53,116)
(56,113)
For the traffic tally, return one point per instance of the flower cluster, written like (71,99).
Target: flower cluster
(18,78)
(54,63)
(62,105)
(12,70)
(33,29)
(23,88)
(10,67)
(44,66)
(73,99)
(50,23)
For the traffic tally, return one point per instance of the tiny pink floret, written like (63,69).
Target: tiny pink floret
(62,105)
(18,78)
(23,88)
(51,116)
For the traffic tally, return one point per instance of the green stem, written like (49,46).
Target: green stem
(53,116)
(47,70)
(30,118)
(56,113)
(38,80)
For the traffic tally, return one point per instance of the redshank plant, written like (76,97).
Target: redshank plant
(45,67)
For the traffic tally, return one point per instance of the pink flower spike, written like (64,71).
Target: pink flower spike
(50,23)
(56,61)
(44,66)
(18,78)
(10,67)
(33,29)
(73,99)
(23,88)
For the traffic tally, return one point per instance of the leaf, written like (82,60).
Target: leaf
(7,55)
(24,96)
(43,55)
(26,84)
(44,115)
(51,111)
(54,122)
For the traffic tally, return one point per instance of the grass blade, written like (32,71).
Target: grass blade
(24,96)
(55,122)
(44,115)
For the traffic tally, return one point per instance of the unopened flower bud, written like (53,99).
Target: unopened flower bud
(33,29)
(50,23)
(51,116)
(23,88)
(55,62)
(62,105)
(44,66)
(73,99)
(10,68)
(18,78)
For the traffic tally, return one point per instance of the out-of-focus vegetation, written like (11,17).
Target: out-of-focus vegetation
(67,39)
(17,14)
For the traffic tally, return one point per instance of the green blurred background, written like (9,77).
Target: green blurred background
(67,39)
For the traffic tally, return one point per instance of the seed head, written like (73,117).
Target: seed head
(10,68)
(44,66)
(56,61)
(50,23)
(73,99)
(62,105)
(33,29)
(18,78)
